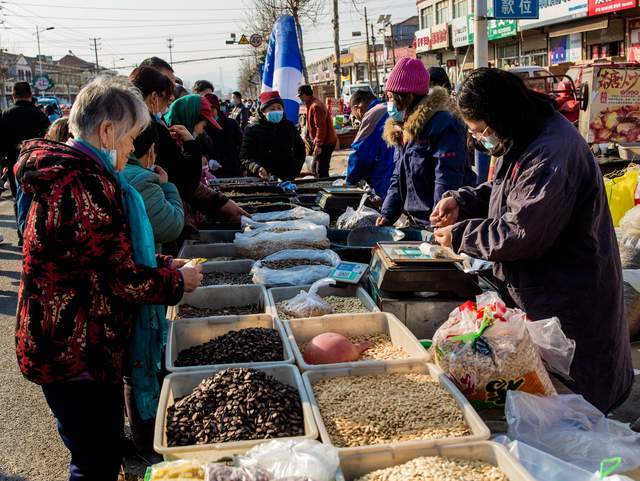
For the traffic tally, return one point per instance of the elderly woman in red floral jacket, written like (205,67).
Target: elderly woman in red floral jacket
(88,263)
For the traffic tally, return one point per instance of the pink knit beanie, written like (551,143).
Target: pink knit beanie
(409,76)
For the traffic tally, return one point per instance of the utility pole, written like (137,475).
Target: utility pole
(393,44)
(375,59)
(38,30)
(366,36)
(481,43)
(170,45)
(95,47)
(336,48)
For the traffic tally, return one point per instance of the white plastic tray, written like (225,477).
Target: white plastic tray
(192,332)
(222,296)
(241,265)
(357,465)
(279,294)
(177,385)
(209,251)
(479,430)
(303,330)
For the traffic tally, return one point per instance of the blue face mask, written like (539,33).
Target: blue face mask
(275,116)
(157,116)
(394,113)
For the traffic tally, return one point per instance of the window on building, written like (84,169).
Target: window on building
(442,12)
(426,17)
(28,75)
(508,56)
(460,8)
(21,75)
(360,73)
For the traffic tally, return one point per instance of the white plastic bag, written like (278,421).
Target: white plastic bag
(297,213)
(266,239)
(555,348)
(180,470)
(362,217)
(305,459)
(571,429)
(309,304)
(297,275)
(545,467)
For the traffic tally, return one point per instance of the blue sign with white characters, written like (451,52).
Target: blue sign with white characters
(516,9)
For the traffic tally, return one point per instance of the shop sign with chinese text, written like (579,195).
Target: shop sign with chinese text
(556,11)
(439,36)
(460,32)
(496,29)
(423,40)
(515,9)
(602,7)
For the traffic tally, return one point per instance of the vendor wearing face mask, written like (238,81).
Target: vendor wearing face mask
(430,147)
(545,222)
(272,146)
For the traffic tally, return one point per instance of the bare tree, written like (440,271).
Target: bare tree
(264,14)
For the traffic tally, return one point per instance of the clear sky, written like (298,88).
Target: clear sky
(130,30)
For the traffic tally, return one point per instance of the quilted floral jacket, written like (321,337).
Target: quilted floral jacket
(79,284)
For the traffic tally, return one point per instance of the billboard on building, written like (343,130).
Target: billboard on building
(556,11)
(439,36)
(460,32)
(602,7)
(423,40)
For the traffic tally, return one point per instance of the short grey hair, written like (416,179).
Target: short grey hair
(108,98)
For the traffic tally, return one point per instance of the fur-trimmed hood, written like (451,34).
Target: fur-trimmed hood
(398,133)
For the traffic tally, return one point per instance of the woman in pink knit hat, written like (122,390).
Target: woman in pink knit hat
(429,141)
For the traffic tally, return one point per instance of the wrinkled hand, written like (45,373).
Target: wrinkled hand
(162,174)
(443,236)
(180,132)
(178,263)
(382,221)
(263,173)
(192,277)
(445,213)
(232,211)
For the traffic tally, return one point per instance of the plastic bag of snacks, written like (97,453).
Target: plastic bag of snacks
(270,238)
(297,213)
(486,350)
(220,472)
(362,217)
(295,267)
(181,470)
(309,304)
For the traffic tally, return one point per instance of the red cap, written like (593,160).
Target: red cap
(269,98)
(205,111)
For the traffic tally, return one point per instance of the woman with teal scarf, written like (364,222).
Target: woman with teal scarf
(90,308)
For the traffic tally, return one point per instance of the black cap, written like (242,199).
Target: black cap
(305,90)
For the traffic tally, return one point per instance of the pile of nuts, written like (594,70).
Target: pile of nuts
(235,405)
(382,349)
(340,305)
(438,468)
(233,278)
(187,311)
(386,408)
(284,264)
(255,344)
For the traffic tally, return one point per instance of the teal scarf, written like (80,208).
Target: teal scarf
(150,328)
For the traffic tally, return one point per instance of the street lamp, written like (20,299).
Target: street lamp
(38,30)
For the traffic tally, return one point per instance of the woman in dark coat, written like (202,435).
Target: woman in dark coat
(272,145)
(545,222)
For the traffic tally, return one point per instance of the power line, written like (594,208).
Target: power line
(127,9)
(212,20)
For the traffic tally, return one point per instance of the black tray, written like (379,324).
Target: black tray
(252,188)
(257,209)
(262,199)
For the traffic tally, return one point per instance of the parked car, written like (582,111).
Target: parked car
(349,90)
(50,100)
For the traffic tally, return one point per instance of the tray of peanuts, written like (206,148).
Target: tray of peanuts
(381,407)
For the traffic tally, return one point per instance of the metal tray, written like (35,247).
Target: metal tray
(237,266)
(234,180)
(479,430)
(279,294)
(252,188)
(222,296)
(180,384)
(186,333)
(302,330)
(356,465)
(210,251)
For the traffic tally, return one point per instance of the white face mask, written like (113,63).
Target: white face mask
(113,153)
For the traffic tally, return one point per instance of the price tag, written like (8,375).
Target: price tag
(349,272)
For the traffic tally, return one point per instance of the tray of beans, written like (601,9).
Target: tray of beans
(212,301)
(376,408)
(252,340)
(352,340)
(477,461)
(210,414)
(236,272)
(343,300)
(217,252)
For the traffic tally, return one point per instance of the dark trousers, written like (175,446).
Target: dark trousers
(90,418)
(322,162)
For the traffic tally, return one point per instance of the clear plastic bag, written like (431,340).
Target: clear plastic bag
(545,467)
(220,472)
(571,429)
(297,213)
(362,217)
(309,304)
(297,275)
(556,349)
(290,459)
(266,239)
(180,470)
(486,350)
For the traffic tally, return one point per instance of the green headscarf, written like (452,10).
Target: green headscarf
(184,111)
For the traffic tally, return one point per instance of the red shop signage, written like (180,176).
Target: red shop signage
(602,7)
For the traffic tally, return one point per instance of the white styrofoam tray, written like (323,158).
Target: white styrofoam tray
(300,331)
(216,297)
(279,294)
(186,333)
(178,385)
(356,465)
(479,430)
